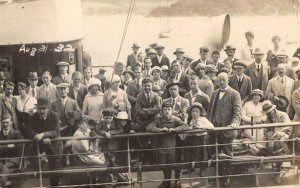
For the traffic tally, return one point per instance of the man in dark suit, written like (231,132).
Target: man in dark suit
(258,72)
(2,81)
(63,76)
(77,90)
(132,58)
(43,126)
(134,87)
(203,58)
(8,105)
(230,52)
(225,110)
(160,59)
(10,152)
(178,76)
(67,109)
(241,82)
(215,60)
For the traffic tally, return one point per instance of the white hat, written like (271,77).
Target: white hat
(122,116)
(155,68)
(94,81)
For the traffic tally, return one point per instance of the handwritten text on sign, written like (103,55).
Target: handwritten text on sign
(44,48)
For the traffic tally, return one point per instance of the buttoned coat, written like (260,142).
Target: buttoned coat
(51,95)
(184,80)
(231,109)
(133,89)
(59,79)
(251,71)
(246,86)
(66,115)
(146,110)
(131,61)
(181,105)
(164,61)
(81,93)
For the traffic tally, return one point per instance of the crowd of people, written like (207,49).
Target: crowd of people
(150,93)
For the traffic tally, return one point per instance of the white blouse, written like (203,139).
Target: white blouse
(28,105)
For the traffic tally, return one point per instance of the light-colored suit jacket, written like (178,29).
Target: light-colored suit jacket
(50,95)
(180,107)
(252,73)
(276,88)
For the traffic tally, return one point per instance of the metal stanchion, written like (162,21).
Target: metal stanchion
(40,165)
(217,161)
(129,162)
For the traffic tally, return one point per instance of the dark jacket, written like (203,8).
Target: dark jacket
(81,93)
(164,61)
(11,152)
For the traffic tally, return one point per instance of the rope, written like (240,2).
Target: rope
(131,6)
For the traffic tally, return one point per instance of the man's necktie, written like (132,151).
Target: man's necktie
(33,93)
(173,103)
(176,77)
(258,69)
(240,83)
(148,98)
(282,81)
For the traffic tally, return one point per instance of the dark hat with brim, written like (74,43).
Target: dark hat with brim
(297,71)
(267,106)
(146,80)
(102,70)
(170,84)
(159,47)
(197,105)
(43,102)
(229,47)
(282,103)
(188,57)
(178,50)
(135,45)
(166,104)
(109,112)
(33,76)
(129,72)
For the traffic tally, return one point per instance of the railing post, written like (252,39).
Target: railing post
(217,160)
(40,165)
(129,162)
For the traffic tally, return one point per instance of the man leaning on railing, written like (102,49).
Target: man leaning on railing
(9,153)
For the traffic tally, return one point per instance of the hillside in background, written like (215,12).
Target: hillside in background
(217,7)
(189,7)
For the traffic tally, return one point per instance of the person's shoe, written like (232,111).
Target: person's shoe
(165,184)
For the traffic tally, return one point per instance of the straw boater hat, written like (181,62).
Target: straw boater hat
(197,105)
(257,92)
(63,85)
(178,50)
(229,47)
(62,63)
(258,51)
(155,68)
(267,106)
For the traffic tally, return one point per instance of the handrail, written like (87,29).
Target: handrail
(139,134)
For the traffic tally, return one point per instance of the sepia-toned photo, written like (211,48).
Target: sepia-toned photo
(149,93)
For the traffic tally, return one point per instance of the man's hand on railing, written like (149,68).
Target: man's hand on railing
(131,131)
(170,130)
(108,135)
(234,126)
(38,137)
(46,141)
(165,129)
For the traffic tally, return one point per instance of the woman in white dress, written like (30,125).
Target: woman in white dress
(92,103)
(252,113)
(26,105)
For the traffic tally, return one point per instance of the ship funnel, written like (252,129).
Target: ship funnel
(217,33)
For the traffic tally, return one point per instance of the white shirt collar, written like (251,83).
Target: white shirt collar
(5,133)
